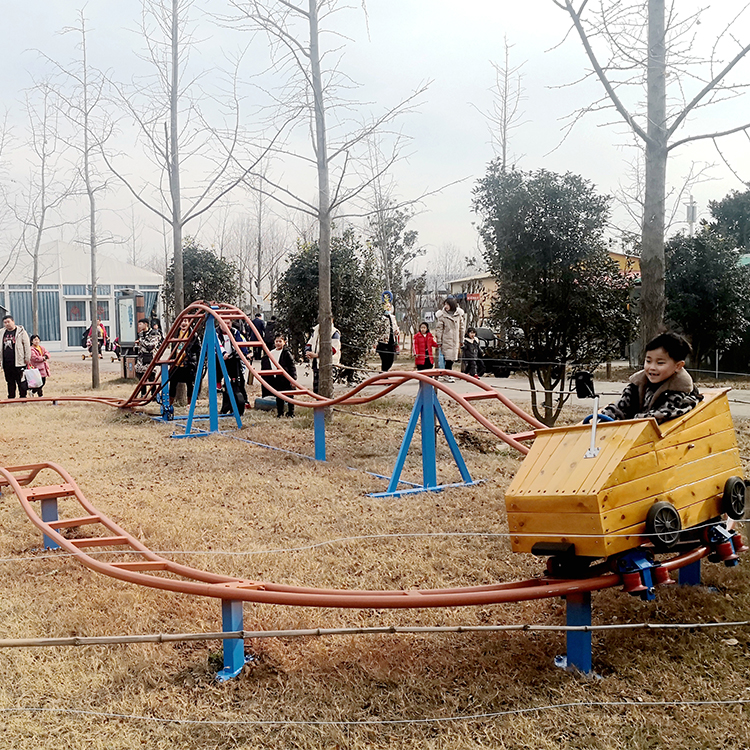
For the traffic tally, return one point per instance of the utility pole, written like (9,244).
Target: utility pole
(692,215)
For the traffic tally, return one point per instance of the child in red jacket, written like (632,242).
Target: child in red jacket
(424,346)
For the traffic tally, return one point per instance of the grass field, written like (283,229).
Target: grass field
(232,507)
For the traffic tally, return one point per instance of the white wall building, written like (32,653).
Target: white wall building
(65,292)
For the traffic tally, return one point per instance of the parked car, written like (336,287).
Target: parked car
(498,358)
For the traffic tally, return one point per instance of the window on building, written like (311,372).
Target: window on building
(75,290)
(20,304)
(75,310)
(75,335)
(103,309)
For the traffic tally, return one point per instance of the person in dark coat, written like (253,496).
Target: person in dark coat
(471,354)
(260,327)
(186,353)
(270,336)
(148,342)
(233,363)
(280,357)
(16,356)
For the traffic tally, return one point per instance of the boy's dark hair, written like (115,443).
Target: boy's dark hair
(426,325)
(279,336)
(470,330)
(674,345)
(146,321)
(8,315)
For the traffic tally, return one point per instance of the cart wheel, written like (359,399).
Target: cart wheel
(733,502)
(663,524)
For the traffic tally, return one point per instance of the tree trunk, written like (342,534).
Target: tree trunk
(652,243)
(324,215)
(35,291)
(95,378)
(174,166)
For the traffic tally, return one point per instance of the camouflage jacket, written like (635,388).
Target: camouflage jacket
(663,401)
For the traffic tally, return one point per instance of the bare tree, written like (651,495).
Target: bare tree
(80,99)
(9,254)
(165,110)
(505,116)
(295,29)
(395,246)
(258,247)
(49,184)
(638,45)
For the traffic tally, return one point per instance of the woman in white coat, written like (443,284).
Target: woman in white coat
(449,331)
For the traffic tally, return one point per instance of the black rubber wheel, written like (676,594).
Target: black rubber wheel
(663,525)
(733,502)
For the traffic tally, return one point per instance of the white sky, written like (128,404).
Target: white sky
(403,44)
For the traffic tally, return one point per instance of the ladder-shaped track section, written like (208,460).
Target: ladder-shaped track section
(135,563)
(371,389)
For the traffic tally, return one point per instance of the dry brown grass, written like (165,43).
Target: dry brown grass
(212,496)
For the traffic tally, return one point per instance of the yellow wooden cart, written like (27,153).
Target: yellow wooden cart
(646,483)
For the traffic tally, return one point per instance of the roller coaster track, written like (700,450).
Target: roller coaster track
(137,564)
(372,388)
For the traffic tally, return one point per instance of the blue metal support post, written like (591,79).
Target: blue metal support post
(234,648)
(578,614)
(211,353)
(690,575)
(319,431)
(49,514)
(427,399)
(167,411)
(427,411)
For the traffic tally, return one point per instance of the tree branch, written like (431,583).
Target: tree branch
(706,136)
(619,106)
(705,90)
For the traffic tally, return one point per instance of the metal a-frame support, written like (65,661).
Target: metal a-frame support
(426,410)
(211,352)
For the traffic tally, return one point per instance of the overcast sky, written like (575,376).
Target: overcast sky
(397,47)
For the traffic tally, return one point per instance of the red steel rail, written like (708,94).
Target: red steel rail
(141,566)
(372,388)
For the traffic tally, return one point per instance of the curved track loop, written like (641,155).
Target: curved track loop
(370,389)
(141,566)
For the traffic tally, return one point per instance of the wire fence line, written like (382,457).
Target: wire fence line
(572,705)
(119,640)
(58,555)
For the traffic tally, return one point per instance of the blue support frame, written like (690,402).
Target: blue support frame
(578,642)
(162,396)
(319,430)
(211,352)
(49,514)
(690,575)
(234,648)
(426,410)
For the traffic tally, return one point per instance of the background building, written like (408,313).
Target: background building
(65,292)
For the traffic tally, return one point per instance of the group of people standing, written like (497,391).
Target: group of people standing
(22,353)
(449,339)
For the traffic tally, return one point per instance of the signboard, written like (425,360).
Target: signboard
(474,297)
(129,309)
